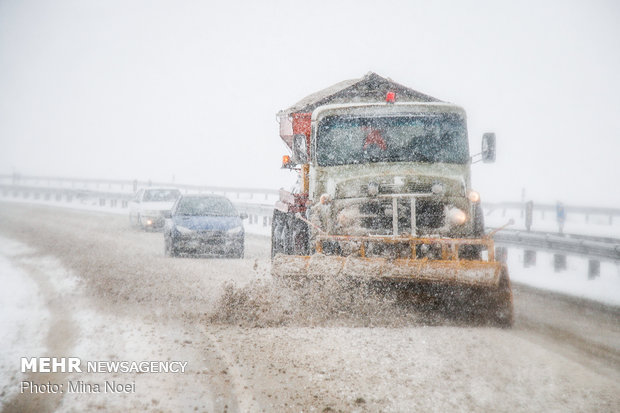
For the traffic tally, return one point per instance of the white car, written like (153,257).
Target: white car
(150,206)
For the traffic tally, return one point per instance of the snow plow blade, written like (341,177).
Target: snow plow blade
(461,272)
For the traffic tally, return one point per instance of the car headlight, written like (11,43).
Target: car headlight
(234,230)
(456,216)
(184,230)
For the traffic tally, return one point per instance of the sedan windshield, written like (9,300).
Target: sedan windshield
(161,195)
(207,206)
(343,140)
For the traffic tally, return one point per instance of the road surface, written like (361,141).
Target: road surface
(254,346)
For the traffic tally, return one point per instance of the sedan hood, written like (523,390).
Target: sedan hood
(204,223)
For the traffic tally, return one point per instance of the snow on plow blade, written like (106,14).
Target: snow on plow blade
(475,273)
(449,269)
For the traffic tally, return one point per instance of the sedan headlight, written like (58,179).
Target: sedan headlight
(234,230)
(184,230)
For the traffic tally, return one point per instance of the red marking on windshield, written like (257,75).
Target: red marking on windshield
(374,138)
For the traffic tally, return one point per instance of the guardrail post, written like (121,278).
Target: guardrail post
(529,258)
(529,212)
(501,254)
(594,269)
(559,262)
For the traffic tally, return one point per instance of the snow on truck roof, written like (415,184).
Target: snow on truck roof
(370,88)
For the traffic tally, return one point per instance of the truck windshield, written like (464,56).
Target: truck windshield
(344,140)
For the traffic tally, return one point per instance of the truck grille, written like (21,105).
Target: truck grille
(377,215)
(410,188)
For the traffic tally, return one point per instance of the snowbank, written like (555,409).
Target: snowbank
(572,281)
(23,320)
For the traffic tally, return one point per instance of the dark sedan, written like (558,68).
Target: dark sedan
(204,225)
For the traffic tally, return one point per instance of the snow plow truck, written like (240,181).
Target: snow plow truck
(384,195)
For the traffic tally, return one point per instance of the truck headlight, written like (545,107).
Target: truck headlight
(474,196)
(234,230)
(456,216)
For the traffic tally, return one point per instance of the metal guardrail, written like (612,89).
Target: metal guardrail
(115,200)
(589,246)
(574,209)
(123,186)
(586,246)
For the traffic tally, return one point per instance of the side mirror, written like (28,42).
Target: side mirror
(300,150)
(488,147)
(167,214)
(243,215)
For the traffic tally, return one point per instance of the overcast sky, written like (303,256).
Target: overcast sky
(190,89)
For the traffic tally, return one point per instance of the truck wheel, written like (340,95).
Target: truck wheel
(282,237)
(500,306)
(504,314)
(276,230)
(300,237)
(287,236)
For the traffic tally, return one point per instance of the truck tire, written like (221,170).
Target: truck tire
(490,306)
(277,226)
(288,244)
(300,235)
(501,305)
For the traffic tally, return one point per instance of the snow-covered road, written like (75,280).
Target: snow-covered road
(106,292)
